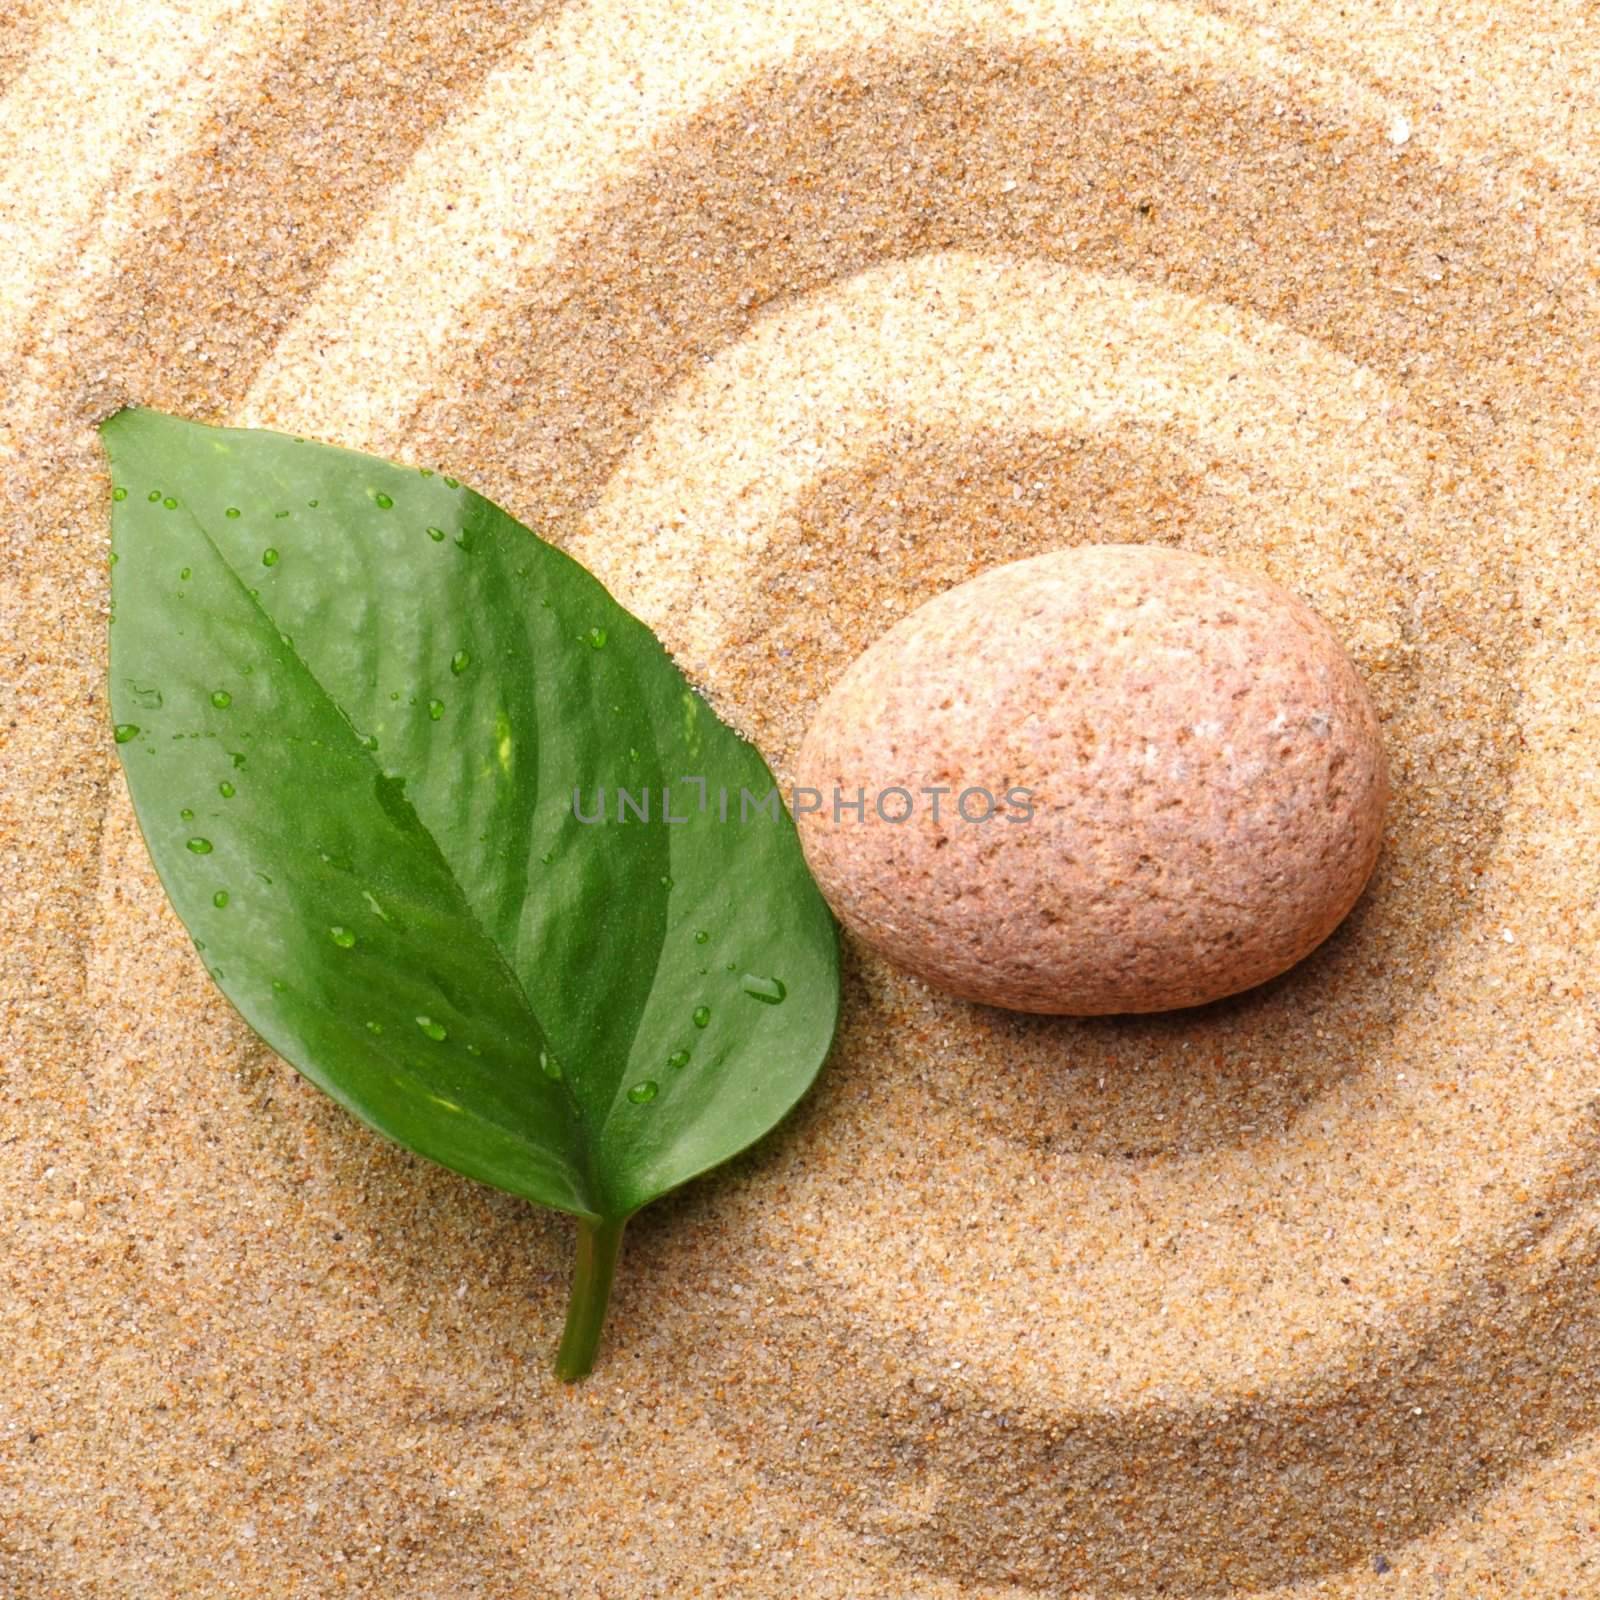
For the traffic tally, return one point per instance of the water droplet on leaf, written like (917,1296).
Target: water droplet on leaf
(220,899)
(231,512)
(342,937)
(201,847)
(549,1066)
(678,1058)
(383,501)
(701,936)
(597,638)
(460,661)
(269,557)
(170,503)
(119,494)
(643,1092)
(226,790)
(437,535)
(435,709)
(434,1030)
(124,731)
(221,699)
(374,1027)
(769,991)
(702,1015)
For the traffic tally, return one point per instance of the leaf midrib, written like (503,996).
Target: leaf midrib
(619,1092)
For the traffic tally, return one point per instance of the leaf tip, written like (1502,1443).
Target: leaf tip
(122,432)
(110,427)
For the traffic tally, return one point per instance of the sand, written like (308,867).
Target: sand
(783,318)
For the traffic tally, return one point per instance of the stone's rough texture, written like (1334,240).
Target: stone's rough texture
(1206,773)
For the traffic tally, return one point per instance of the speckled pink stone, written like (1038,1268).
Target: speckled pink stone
(1206,773)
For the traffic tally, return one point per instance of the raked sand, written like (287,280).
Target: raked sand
(783,317)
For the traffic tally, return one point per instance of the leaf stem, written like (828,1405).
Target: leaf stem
(598,1246)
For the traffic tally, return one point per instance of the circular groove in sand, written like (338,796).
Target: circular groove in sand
(184,57)
(582,105)
(960,342)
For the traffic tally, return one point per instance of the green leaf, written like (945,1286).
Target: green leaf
(354,702)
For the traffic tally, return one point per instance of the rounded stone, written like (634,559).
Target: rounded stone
(1138,779)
